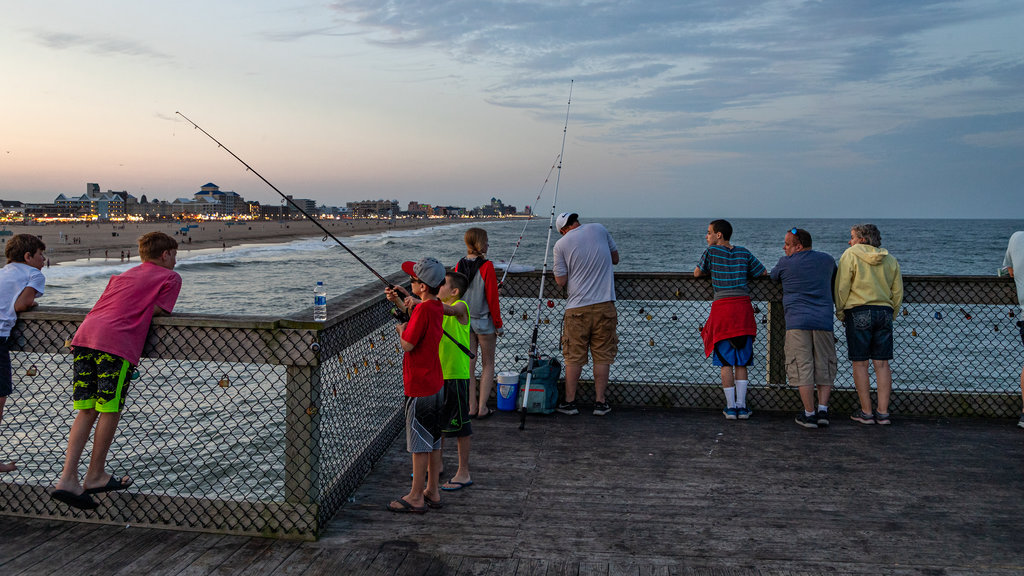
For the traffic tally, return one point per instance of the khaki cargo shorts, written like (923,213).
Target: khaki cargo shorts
(590,328)
(810,357)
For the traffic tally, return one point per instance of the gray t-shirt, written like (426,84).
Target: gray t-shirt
(1015,259)
(584,254)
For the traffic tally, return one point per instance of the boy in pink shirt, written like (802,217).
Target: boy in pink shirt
(107,347)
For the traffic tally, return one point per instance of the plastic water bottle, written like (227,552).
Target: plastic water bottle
(319,302)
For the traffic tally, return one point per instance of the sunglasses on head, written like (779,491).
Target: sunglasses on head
(792,231)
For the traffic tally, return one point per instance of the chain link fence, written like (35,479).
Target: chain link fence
(267,425)
(957,346)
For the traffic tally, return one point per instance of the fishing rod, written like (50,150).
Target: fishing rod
(534,355)
(387,284)
(512,258)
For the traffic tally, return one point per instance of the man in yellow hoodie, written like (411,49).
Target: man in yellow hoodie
(868,294)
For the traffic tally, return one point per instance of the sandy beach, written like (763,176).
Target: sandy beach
(72,241)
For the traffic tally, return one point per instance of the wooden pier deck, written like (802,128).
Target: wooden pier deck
(639,492)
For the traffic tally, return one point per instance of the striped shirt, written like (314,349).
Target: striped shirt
(730,268)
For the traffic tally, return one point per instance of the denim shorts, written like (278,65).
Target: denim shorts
(869,333)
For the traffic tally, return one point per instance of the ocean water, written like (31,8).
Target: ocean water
(271,279)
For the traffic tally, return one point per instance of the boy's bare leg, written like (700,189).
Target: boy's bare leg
(462,474)
(862,382)
(433,472)
(488,343)
(5,466)
(106,425)
(420,462)
(77,438)
(728,380)
(883,377)
(741,372)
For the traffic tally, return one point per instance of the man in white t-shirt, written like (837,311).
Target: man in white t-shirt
(1014,259)
(584,257)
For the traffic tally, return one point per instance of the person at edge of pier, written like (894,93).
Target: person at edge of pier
(730,329)
(455,369)
(583,260)
(807,278)
(424,385)
(485,313)
(106,348)
(868,296)
(21,282)
(1014,259)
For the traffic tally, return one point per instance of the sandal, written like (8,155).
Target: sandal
(405,507)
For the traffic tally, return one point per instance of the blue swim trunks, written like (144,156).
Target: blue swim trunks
(738,351)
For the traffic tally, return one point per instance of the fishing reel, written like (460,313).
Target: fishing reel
(401,316)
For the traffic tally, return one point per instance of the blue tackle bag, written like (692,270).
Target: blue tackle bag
(542,397)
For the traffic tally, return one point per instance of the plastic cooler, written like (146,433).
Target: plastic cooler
(508,390)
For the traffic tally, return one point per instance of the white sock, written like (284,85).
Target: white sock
(730,397)
(808,414)
(822,408)
(741,393)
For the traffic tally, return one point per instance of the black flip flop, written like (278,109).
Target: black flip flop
(405,507)
(112,485)
(81,501)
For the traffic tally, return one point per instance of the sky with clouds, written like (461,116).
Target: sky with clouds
(778,108)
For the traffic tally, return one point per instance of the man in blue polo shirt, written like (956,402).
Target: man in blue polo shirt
(807,276)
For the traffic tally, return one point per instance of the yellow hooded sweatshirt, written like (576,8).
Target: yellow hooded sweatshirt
(868,276)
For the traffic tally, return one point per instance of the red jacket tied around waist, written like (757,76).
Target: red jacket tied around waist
(729,318)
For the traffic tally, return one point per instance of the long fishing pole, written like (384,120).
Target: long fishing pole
(290,201)
(387,284)
(512,258)
(534,355)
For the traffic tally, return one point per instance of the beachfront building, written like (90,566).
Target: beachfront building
(93,205)
(229,203)
(495,208)
(374,208)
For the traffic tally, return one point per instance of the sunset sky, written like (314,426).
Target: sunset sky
(679,108)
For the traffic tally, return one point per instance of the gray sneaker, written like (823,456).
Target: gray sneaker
(1020,423)
(601,408)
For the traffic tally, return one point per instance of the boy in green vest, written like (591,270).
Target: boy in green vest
(455,368)
(455,365)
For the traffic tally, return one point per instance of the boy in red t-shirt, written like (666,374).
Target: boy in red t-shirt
(107,347)
(423,380)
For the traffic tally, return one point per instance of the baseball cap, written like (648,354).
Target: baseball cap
(429,270)
(565,219)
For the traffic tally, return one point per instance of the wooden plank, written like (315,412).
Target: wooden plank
(215,555)
(66,549)
(299,562)
(173,547)
(21,536)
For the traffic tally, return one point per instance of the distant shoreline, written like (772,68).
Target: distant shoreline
(73,241)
